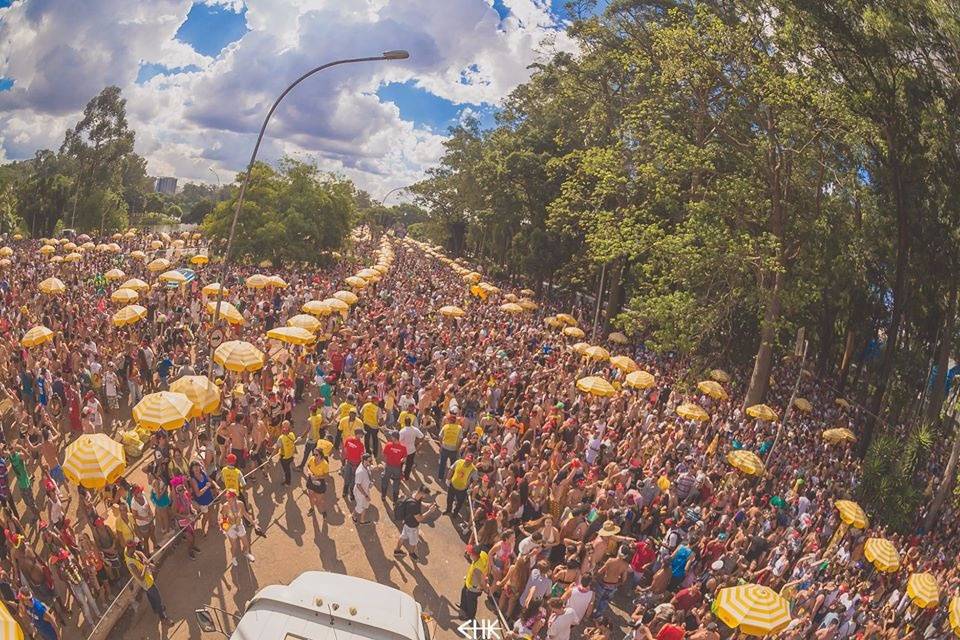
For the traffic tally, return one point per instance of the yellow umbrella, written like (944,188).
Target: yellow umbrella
(166,410)
(552,322)
(114,274)
(580,347)
(754,609)
(746,461)
(6,252)
(713,389)
(381,268)
(720,376)
(9,627)
(640,380)
(596,353)
(47,249)
(954,614)
(852,514)
(317,308)
(172,276)
(762,412)
(489,288)
(227,311)
(839,435)
(882,554)
(277,282)
(72,257)
(5,262)
(337,304)
(596,386)
(803,404)
(124,296)
(842,403)
(304,321)
(265,264)
(355,282)
(117,236)
(292,335)
(199,259)
(624,364)
(451,311)
(56,259)
(156,244)
(573,332)
(566,319)
(201,391)
(237,355)
(36,336)
(18,236)
(136,284)
(618,338)
(527,305)
(69,246)
(511,307)
(157,265)
(691,411)
(130,234)
(257,281)
(130,314)
(923,590)
(94,460)
(87,245)
(53,286)
(213,289)
(347,296)
(138,255)
(368,273)
(472,277)
(511,297)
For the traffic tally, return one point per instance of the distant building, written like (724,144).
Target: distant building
(167,186)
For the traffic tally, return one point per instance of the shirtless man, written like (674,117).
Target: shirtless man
(238,443)
(612,574)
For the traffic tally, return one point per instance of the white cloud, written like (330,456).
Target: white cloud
(62,52)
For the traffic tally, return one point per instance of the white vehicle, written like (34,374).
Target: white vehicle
(319,605)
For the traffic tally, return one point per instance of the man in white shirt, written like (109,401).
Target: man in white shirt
(361,488)
(410,437)
(562,619)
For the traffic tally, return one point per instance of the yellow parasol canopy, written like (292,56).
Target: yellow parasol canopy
(368,273)
(552,322)
(511,297)
(336,304)
(923,591)
(720,376)
(6,252)
(746,461)
(624,364)
(527,305)
(36,336)
(138,255)
(842,403)
(124,296)
(754,609)
(472,277)
(762,412)
(580,347)
(166,410)
(347,296)
(9,627)
(158,264)
(276,282)
(691,411)
(173,276)
(257,281)
(227,311)
(566,319)
(852,514)
(305,321)
(802,404)
(292,335)
(839,435)
(213,289)
(56,259)
(94,460)
(596,386)
(527,292)
(156,244)
(201,391)
(355,282)
(618,338)
(199,259)
(5,262)
(573,332)
(713,389)
(136,284)
(640,380)
(317,308)
(511,307)
(882,554)
(596,353)
(238,355)
(72,257)
(53,286)
(451,311)
(953,610)
(47,249)
(114,274)
(130,314)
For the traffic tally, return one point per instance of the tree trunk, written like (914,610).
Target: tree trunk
(899,289)
(615,294)
(946,485)
(763,363)
(846,360)
(826,338)
(938,391)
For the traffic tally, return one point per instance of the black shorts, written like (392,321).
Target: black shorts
(317,486)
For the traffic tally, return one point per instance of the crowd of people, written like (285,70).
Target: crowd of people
(582,515)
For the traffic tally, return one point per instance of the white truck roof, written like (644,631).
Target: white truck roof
(319,605)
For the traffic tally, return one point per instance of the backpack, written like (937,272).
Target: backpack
(402,509)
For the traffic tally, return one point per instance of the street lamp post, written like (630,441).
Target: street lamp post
(387,55)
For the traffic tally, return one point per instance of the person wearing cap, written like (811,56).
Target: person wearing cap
(287,447)
(141,570)
(370,414)
(394,454)
(475,581)
(71,574)
(352,454)
(451,433)
(410,437)
(318,472)
(347,427)
(39,614)
(232,518)
(461,474)
(316,431)
(361,489)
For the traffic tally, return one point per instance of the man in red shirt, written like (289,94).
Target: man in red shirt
(353,451)
(394,454)
(671,631)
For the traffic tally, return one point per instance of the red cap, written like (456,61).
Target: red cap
(468,457)
(231,458)
(137,489)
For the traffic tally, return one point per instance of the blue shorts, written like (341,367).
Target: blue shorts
(57,474)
